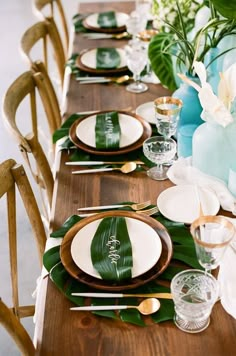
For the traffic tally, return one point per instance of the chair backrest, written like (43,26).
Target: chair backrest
(13,178)
(28,85)
(16,330)
(45,34)
(45,8)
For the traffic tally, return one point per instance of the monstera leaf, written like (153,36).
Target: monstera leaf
(225,8)
(161,60)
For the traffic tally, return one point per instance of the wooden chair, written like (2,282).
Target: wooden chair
(13,178)
(29,85)
(45,34)
(16,330)
(45,8)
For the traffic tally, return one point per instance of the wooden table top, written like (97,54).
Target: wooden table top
(62,332)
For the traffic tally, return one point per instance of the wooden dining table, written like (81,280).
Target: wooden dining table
(59,331)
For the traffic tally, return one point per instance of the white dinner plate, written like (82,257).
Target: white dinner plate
(92,20)
(181,203)
(88,58)
(147,112)
(131,130)
(146,247)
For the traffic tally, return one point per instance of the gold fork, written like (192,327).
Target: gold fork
(149,212)
(138,206)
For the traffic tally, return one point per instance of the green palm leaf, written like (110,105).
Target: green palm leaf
(111,250)
(160,58)
(226,8)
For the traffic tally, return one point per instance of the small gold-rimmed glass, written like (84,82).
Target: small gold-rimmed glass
(167,111)
(212,235)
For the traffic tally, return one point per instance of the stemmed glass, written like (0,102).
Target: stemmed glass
(136,61)
(167,111)
(212,235)
(135,24)
(145,38)
(159,150)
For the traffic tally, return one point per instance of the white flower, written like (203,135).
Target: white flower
(227,86)
(215,109)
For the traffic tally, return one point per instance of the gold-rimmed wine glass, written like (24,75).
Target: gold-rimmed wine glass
(212,235)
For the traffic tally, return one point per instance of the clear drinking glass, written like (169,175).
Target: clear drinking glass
(159,150)
(167,111)
(145,38)
(135,24)
(211,235)
(136,61)
(194,294)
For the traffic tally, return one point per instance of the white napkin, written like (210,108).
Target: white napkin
(50,243)
(227,277)
(182,172)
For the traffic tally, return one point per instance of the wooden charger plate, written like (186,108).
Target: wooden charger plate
(91,70)
(102,29)
(153,273)
(147,131)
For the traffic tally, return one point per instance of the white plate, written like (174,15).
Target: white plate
(146,247)
(88,58)
(180,203)
(147,112)
(131,130)
(121,19)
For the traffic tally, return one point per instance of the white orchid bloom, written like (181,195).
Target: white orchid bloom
(214,108)
(227,86)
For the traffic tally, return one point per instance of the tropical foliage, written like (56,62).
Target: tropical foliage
(175,46)
(226,8)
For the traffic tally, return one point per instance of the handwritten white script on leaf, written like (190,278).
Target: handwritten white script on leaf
(112,244)
(215,108)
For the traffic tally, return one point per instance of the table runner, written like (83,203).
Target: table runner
(183,254)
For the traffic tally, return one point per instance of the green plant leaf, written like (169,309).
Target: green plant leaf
(107,19)
(59,276)
(226,8)
(111,249)
(107,58)
(72,220)
(107,130)
(187,255)
(166,311)
(170,272)
(51,258)
(64,129)
(160,58)
(132,316)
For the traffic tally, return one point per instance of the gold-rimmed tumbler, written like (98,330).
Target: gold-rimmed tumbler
(167,112)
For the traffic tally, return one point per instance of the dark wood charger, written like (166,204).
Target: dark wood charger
(147,131)
(85,68)
(153,273)
(103,29)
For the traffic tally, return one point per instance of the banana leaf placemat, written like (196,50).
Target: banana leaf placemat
(184,256)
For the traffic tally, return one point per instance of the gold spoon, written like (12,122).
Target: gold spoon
(146,307)
(93,80)
(120,80)
(126,168)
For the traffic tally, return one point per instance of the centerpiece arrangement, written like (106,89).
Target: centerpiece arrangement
(180,43)
(175,49)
